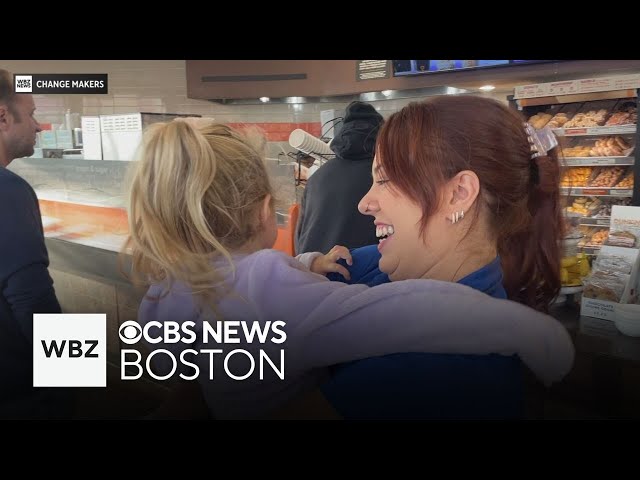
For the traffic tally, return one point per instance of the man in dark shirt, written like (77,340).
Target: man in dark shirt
(25,284)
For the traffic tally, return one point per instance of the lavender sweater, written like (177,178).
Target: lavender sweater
(331,322)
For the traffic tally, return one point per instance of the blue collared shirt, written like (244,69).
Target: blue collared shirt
(427,385)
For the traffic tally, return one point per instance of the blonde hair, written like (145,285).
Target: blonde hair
(195,193)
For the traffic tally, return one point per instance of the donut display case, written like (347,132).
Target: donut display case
(595,121)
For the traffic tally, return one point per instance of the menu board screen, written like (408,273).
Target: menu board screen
(418,67)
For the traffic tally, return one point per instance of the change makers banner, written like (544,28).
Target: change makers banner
(65,83)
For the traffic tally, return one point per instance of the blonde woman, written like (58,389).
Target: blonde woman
(202,224)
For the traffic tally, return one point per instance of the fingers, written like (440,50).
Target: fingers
(336,267)
(339,252)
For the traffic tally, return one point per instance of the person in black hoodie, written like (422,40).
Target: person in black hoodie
(329,213)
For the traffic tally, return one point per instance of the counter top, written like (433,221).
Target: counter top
(596,335)
(605,380)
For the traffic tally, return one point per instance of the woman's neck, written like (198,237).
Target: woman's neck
(460,262)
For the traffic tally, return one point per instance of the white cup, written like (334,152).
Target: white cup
(307,143)
(627,318)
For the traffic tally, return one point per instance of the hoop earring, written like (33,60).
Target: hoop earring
(457,216)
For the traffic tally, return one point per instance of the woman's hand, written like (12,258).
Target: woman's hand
(329,262)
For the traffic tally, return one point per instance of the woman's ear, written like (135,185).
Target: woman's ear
(464,188)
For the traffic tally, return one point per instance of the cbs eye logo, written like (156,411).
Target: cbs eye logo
(130,332)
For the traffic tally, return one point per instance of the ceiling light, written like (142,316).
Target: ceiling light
(454,91)
(386,93)
(264,99)
(487,88)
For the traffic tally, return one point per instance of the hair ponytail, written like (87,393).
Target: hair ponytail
(531,257)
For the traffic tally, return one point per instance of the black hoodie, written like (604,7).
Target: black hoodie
(329,210)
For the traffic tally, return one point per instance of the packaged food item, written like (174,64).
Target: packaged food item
(605,285)
(611,264)
(622,239)
(609,277)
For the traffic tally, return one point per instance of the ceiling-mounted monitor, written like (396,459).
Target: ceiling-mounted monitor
(419,67)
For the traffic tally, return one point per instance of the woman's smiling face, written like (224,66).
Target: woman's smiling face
(406,254)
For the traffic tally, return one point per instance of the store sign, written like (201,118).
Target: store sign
(373,69)
(587,85)
(62,83)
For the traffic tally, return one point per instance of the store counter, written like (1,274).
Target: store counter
(605,379)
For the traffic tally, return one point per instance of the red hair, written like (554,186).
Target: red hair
(427,143)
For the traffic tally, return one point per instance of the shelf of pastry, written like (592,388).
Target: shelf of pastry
(597,161)
(596,191)
(584,131)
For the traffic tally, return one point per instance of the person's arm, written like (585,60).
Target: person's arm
(26,284)
(330,323)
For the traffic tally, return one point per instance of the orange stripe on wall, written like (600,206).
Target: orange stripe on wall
(280,131)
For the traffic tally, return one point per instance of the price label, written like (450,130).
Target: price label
(604,161)
(621,192)
(574,131)
(594,191)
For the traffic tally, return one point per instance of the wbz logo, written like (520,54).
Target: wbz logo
(75,348)
(23,83)
(69,350)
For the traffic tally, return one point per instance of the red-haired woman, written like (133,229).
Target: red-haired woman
(461,193)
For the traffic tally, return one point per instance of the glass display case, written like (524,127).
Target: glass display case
(595,122)
(84,201)
(81,201)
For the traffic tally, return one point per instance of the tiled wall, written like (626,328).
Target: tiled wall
(160,86)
